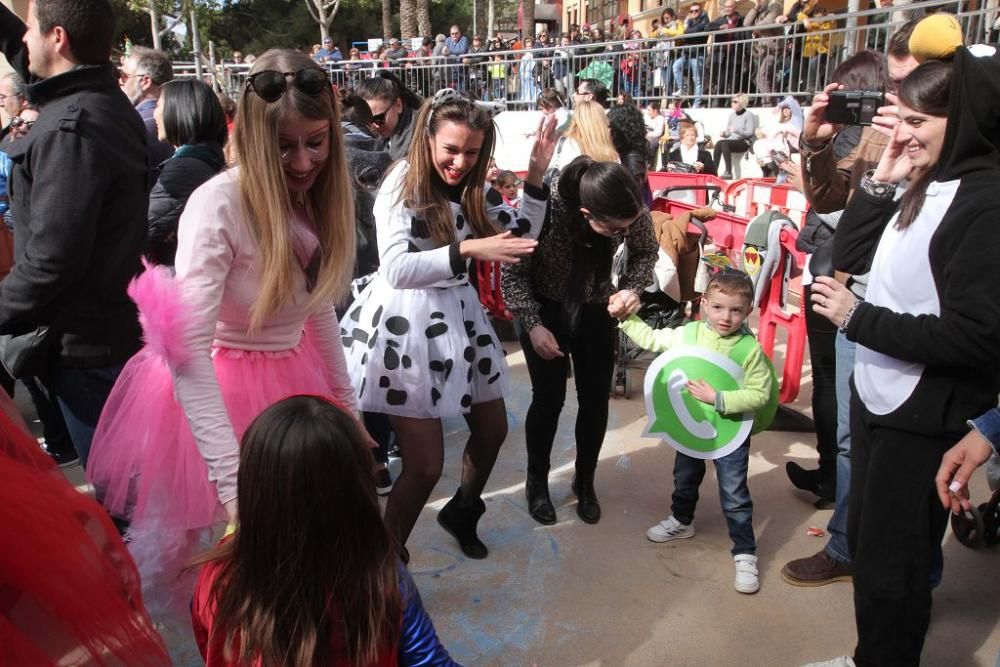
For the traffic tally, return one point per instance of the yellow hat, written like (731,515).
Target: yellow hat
(936,38)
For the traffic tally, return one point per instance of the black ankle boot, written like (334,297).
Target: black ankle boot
(536,488)
(459,517)
(587,507)
(819,482)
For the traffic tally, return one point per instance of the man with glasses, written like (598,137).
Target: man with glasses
(458,45)
(79,203)
(12,99)
(692,53)
(141,76)
(591,90)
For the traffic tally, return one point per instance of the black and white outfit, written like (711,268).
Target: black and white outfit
(689,156)
(927,361)
(417,339)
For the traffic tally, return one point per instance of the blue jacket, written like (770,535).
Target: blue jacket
(988,426)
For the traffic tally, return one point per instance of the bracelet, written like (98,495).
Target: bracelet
(847,318)
(876,188)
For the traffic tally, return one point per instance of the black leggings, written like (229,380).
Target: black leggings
(823,357)
(592,352)
(726,148)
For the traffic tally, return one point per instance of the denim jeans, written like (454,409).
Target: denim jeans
(81,393)
(665,73)
(733,493)
(837,546)
(697,64)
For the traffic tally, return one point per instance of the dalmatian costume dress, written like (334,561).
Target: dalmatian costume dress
(417,340)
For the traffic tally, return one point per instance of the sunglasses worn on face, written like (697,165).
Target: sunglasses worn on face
(270,84)
(17,123)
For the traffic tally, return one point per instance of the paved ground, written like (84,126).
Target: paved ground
(577,594)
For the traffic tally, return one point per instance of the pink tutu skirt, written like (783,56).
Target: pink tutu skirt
(146,466)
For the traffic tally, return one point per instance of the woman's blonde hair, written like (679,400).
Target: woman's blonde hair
(589,128)
(423,190)
(267,203)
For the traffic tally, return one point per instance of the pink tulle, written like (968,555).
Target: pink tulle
(147,468)
(162,313)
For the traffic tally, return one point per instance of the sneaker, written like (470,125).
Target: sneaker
(819,569)
(678,92)
(747,580)
(64,458)
(669,529)
(842,661)
(383,482)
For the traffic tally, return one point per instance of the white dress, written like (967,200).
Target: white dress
(417,340)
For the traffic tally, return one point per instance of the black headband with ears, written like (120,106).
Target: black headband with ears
(452,96)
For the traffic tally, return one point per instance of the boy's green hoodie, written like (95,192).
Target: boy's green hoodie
(756,374)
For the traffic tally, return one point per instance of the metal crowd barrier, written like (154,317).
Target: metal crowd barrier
(766,62)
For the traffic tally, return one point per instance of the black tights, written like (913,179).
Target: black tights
(421,444)
(726,148)
(823,358)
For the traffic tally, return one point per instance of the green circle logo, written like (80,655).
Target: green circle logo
(687,424)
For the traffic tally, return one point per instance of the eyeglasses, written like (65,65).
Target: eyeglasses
(124,76)
(317,148)
(380,118)
(694,11)
(455,34)
(615,228)
(17,123)
(270,84)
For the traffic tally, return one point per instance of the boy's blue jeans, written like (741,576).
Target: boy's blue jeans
(733,492)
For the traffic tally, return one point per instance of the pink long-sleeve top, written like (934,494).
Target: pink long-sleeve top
(219,276)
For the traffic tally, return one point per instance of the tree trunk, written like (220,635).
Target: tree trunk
(324,29)
(528,18)
(424,18)
(408,19)
(387,19)
(154,20)
(491,18)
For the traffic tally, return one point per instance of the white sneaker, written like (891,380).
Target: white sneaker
(669,529)
(747,580)
(678,92)
(842,661)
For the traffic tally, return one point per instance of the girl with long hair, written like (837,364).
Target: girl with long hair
(311,575)
(589,134)
(927,335)
(264,252)
(418,344)
(562,297)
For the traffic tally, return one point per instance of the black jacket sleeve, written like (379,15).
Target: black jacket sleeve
(706,159)
(859,231)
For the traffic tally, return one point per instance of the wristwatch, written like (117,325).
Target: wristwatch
(876,188)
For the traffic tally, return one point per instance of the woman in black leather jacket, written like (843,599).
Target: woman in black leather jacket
(189,117)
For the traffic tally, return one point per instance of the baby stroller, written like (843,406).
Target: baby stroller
(665,302)
(980,526)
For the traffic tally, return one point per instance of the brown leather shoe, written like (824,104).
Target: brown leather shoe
(817,570)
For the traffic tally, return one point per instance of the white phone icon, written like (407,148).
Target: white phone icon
(676,383)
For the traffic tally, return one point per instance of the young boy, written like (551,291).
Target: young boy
(727,302)
(506,185)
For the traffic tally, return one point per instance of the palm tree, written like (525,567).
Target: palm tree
(528,18)
(386,19)
(408,19)
(424,18)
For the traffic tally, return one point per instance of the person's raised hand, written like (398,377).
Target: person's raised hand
(886,118)
(504,247)
(832,300)
(623,303)
(816,128)
(895,165)
(957,466)
(545,344)
(544,147)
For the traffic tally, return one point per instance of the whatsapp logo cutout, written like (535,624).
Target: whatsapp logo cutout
(685,423)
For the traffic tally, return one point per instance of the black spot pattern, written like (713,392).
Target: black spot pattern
(364,359)
(485,365)
(483,340)
(504,218)
(391,359)
(437,329)
(523,227)
(460,276)
(356,313)
(364,381)
(412,247)
(466,401)
(435,395)
(418,228)
(384,382)
(397,325)
(371,341)
(377,317)
(448,365)
(407,362)
(460,221)
(392,343)
(437,366)
(470,328)
(437,315)
(496,376)
(395,397)
(469,354)
(360,335)
(347,341)
(468,375)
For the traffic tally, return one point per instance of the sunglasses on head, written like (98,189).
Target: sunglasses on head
(271,84)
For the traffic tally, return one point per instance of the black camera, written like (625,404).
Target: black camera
(854,107)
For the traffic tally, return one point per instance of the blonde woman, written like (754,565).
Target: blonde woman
(264,252)
(588,134)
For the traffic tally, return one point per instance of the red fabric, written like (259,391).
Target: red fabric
(215,652)
(67,586)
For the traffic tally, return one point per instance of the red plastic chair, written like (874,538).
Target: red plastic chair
(490,294)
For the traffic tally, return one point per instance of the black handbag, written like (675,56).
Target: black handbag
(30,354)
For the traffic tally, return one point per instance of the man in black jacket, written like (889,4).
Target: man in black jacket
(79,197)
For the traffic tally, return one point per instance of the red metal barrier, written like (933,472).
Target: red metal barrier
(753,196)
(727,233)
(700,184)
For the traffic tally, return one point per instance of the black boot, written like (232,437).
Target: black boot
(818,482)
(536,488)
(459,517)
(587,507)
